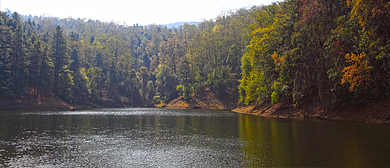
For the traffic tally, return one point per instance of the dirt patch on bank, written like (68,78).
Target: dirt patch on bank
(29,103)
(208,100)
(179,103)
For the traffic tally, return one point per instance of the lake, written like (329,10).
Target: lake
(153,137)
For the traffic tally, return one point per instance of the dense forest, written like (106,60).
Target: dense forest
(328,52)
(113,65)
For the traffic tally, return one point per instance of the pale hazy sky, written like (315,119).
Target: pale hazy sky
(143,12)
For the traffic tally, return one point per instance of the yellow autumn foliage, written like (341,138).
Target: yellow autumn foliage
(358,71)
(365,10)
(277,59)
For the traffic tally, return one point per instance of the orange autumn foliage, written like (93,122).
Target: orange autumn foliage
(277,59)
(358,72)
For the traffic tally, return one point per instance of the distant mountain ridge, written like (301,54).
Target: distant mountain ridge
(169,25)
(178,24)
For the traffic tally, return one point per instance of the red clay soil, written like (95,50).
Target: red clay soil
(378,112)
(208,100)
(196,103)
(180,103)
(45,103)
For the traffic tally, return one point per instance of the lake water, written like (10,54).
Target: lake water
(152,137)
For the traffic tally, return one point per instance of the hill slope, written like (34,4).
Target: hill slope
(208,100)
(28,103)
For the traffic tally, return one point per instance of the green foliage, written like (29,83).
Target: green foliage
(274,97)
(308,42)
(150,90)
(125,63)
(166,83)
(144,80)
(214,55)
(80,90)
(187,93)
(184,91)
(59,54)
(277,92)
(40,66)
(292,51)
(258,67)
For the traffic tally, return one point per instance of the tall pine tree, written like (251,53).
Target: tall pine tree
(5,40)
(62,78)
(18,62)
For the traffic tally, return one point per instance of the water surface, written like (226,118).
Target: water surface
(152,137)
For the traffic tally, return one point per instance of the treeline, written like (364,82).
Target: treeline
(329,52)
(112,64)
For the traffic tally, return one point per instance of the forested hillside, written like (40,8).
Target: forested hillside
(329,52)
(111,64)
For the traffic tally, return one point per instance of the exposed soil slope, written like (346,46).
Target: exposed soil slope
(28,103)
(208,100)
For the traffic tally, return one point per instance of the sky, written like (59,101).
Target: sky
(143,12)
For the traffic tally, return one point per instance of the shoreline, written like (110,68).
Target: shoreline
(372,113)
(33,104)
(376,112)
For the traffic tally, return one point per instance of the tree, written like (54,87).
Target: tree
(79,89)
(46,70)
(184,77)
(5,48)
(144,80)
(258,66)
(18,62)
(95,83)
(357,73)
(111,84)
(76,64)
(40,67)
(166,84)
(62,78)
(150,90)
